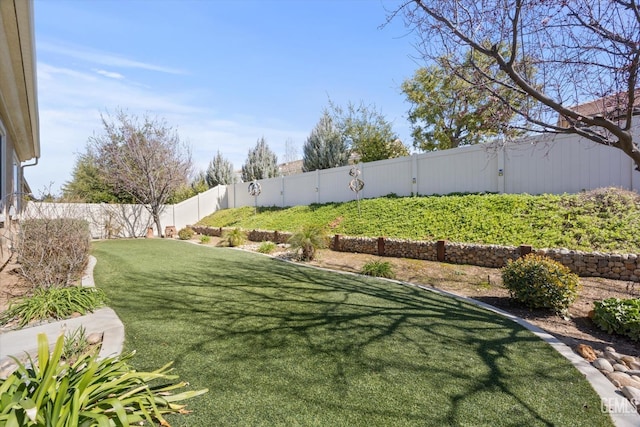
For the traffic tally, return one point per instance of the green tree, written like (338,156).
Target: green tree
(371,135)
(451,109)
(579,51)
(143,159)
(219,171)
(261,163)
(325,147)
(87,185)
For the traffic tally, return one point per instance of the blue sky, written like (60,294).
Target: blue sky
(223,73)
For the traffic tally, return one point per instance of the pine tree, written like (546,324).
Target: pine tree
(261,163)
(325,148)
(219,171)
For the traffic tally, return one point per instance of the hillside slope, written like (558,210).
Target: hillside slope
(603,220)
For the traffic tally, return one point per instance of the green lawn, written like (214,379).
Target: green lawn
(286,345)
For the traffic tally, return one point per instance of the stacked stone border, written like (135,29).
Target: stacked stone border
(585,264)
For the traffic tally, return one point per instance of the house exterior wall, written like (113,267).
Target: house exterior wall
(19,124)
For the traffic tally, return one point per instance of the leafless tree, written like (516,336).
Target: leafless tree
(142,158)
(559,54)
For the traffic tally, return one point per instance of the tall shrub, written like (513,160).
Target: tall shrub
(53,251)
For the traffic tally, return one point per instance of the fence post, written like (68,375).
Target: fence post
(440,250)
(525,250)
(380,246)
(336,242)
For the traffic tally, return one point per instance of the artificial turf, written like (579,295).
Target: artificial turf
(279,344)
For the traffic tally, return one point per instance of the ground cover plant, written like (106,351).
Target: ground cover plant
(620,316)
(282,344)
(602,220)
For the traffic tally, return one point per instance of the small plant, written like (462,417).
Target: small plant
(266,247)
(308,240)
(51,391)
(540,282)
(378,269)
(185,233)
(53,303)
(205,239)
(235,237)
(618,316)
(75,344)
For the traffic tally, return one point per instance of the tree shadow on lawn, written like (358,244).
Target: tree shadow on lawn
(315,337)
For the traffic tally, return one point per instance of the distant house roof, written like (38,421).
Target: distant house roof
(612,107)
(18,96)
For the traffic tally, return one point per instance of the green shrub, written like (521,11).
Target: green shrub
(185,233)
(53,303)
(88,392)
(378,269)
(205,239)
(235,237)
(308,240)
(266,247)
(53,251)
(618,316)
(540,282)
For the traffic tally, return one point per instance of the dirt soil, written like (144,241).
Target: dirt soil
(480,283)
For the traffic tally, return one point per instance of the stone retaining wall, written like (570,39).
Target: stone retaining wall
(586,264)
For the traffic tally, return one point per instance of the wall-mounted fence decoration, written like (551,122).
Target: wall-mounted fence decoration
(254,190)
(356,184)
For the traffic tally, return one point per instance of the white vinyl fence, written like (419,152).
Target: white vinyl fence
(543,164)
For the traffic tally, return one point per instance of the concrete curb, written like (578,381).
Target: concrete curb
(18,343)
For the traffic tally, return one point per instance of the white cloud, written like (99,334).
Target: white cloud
(110,74)
(102,58)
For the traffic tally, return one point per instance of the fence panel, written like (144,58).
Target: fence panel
(387,176)
(465,169)
(564,164)
(334,185)
(542,164)
(300,189)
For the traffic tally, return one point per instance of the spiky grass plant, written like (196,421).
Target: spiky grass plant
(378,269)
(235,237)
(53,303)
(308,240)
(266,247)
(49,391)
